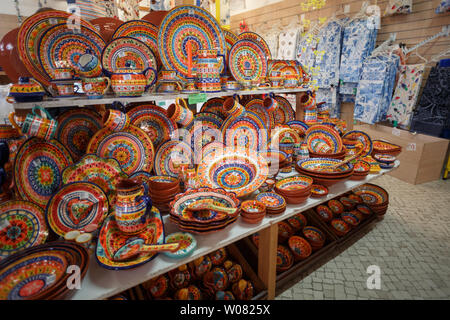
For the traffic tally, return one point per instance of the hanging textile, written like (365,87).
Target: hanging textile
(90,9)
(406,94)
(305,51)
(287,42)
(398,7)
(332,102)
(443,7)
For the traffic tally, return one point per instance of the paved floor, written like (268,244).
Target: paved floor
(411,246)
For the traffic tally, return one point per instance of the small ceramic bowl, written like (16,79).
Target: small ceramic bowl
(235,273)
(216,279)
(297,222)
(187,244)
(285,258)
(336,207)
(285,231)
(315,237)
(251,220)
(253,208)
(348,203)
(356,198)
(318,191)
(300,247)
(364,209)
(325,213)
(384,158)
(271,200)
(351,219)
(294,186)
(189,293)
(242,290)
(340,226)
(224,295)
(295,200)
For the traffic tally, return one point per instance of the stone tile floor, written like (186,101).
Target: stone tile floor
(411,245)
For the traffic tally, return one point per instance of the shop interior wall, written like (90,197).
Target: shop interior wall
(411,29)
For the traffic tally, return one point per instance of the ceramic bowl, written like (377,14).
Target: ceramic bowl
(251,220)
(318,191)
(157,287)
(339,155)
(297,222)
(218,257)
(285,258)
(216,279)
(340,227)
(285,231)
(355,197)
(364,209)
(372,195)
(361,167)
(315,237)
(163,192)
(163,182)
(324,212)
(234,272)
(187,244)
(300,248)
(294,186)
(351,219)
(336,206)
(253,208)
(272,201)
(295,200)
(243,290)
(348,203)
(224,295)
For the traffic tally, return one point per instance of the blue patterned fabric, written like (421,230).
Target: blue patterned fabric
(444,6)
(305,52)
(332,102)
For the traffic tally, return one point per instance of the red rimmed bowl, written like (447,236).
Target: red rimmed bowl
(325,213)
(372,195)
(285,258)
(318,191)
(340,227)
(318,167)
(294,186)
(285,231)
(351,219)
(339,155)
(364,209)
(348,203)
(253,208)
(361,167)
(315,237)
(297,222)
(300,247)
(336,206)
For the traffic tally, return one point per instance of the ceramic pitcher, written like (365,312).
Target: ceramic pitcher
(207,69)
(132,206)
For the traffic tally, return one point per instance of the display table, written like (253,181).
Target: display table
(100,283)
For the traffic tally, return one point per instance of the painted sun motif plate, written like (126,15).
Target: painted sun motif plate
(37,169)
(203,130)
(215,105)
(230,38)
(132,148)
(235,170)
(247,61)
(284,113)
(75,206)
(363,137)
(121,51)
(155,122)
(111,239)
(75,129)
(184,24)
(258,39)
(170,154)
(22,225)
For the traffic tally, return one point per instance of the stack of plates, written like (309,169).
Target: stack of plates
(204,221)
(386,161)
(374,196)
(360,170)
(39,273)
(275,203)
(294,189)
(316,168)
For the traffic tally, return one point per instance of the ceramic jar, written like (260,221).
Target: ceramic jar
(132,206)
(207,70)
(180,112)
(38,125)
(129,82)
(95,88)
(27,90)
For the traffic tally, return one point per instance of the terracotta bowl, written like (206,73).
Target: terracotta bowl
(300,247)
(315,237)
(295,200)
(339,156)
(336,206)
(318,191)
(294,186)
(253,208)
(365,210)
(298,222)
(163,182)
(285,258)
(251,221)
(165,191)
(348,203)
(355,197)
(351,219)
(340,227)
(324,212)
(285,231)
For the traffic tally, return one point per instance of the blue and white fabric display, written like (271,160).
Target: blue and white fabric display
(305,52)
(330,97)
(444,6)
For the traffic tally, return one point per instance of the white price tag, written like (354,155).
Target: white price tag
(396,132)
(127,76)
(4,223)
(190,12)
(411,147)
(88,86)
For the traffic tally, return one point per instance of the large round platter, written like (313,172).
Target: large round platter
(215,147)
(75,129)
(247,61)
(257,106)
(75,206)
(59,43)
(37,169)
(185,24)
(155,122)
(9,57)
(258,39)
(364,138)
(247,132)
(230,38)
(284,112)
(132,148)
(319,134)
(125,50)
(171,153)
(22,225)
(31,31)
(299,126)
(142,30)
(215,105)
(234,170)
(110,239)
(203,130)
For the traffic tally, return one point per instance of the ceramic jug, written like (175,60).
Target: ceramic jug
(131,82)
(207,69)
(89,65)
(132,206)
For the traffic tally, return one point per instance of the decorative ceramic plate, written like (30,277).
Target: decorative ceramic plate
(37,169)
(60,43)
(314,235)
(247,61)
(75,129)
(318,191)
(257,106)
(298,126)
(212,147)
(121,51)
(184,24)
(247,131)
(284,135)
(215,105)
(336,206)
(170,154)
(187,244)
(75,206)
(271,200)
(142,30)
(363,138)
(110,239)
(22,225)
(372,194)
(132,148)
(235,171)
(31,32)
(323,138)
(248,35)
(284,113)
(314,165)
(204,129)
(155,122)
(230,38)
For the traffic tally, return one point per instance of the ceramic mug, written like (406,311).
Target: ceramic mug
(276,82)
(41,126)
(189,85)
(307,101)
(115,120)
(180,112)
(65,89)
(95,88)
(169,75)
(63,74)
(270,103)
(169,87)
(233,107)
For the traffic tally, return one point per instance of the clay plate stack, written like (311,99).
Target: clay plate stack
(275,203)
(384,147)
(317,169)
(295,190)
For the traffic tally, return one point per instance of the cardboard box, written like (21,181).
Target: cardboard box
(423,157)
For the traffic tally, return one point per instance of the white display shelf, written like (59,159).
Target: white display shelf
(100,283)
(84,101)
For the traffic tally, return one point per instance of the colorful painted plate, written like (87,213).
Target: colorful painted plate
(215,105)
(247,61)
(142,30)
(257,106)
(235,170)
(75,129)
(155,122)
(125,50)
(372,194)
(314,165)
(284,113)
(132,148)
(247,131)
(324,212)
(170,154)
(184,24)
(31,32)
(363,138)
(60,43)
(271,200)
(203,130)
(323,139)
(37,169)
(248,35)
(282,135)
(22,225)
(230,38)
(298,126)
(187,244)
(215,148)
(75,206)
(110,239)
